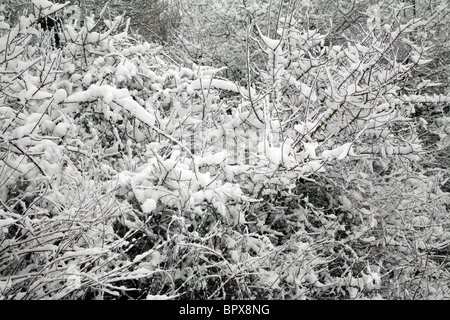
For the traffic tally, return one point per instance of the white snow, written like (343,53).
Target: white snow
(84,252)
(271,43)
(230,190)
(212,159)
(6,222)
(61,129)
(305,127)
(148,206)
(59,96)
(32,92)
(346,203)
(121,97)
(22,131)
(274,154)
(313,166)
(338,153)
(45,7)
(80,96)
(137,111)
(4,25)
(234,255)
(310,149)
(207,83)
(122,73)
(87,79)
(154,165)
(204,178)
(42,4)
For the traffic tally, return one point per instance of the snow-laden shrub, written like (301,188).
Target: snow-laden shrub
(341,116)
(123,174)
(93,161)
(57,232)
(340,121)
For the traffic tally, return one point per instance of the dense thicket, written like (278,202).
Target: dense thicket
(263,149)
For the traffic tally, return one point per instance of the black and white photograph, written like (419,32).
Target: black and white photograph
(224,155)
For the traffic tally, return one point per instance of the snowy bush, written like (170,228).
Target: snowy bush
(126,175)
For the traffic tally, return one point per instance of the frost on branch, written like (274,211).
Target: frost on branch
(126,175)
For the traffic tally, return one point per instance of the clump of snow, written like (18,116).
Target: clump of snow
(271,43)
(3,24)
(59,96)
(4,223)
(61,129)
(234,255)
(212,159)
(148,206)
(338,153)
(45,7)
(310,149)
